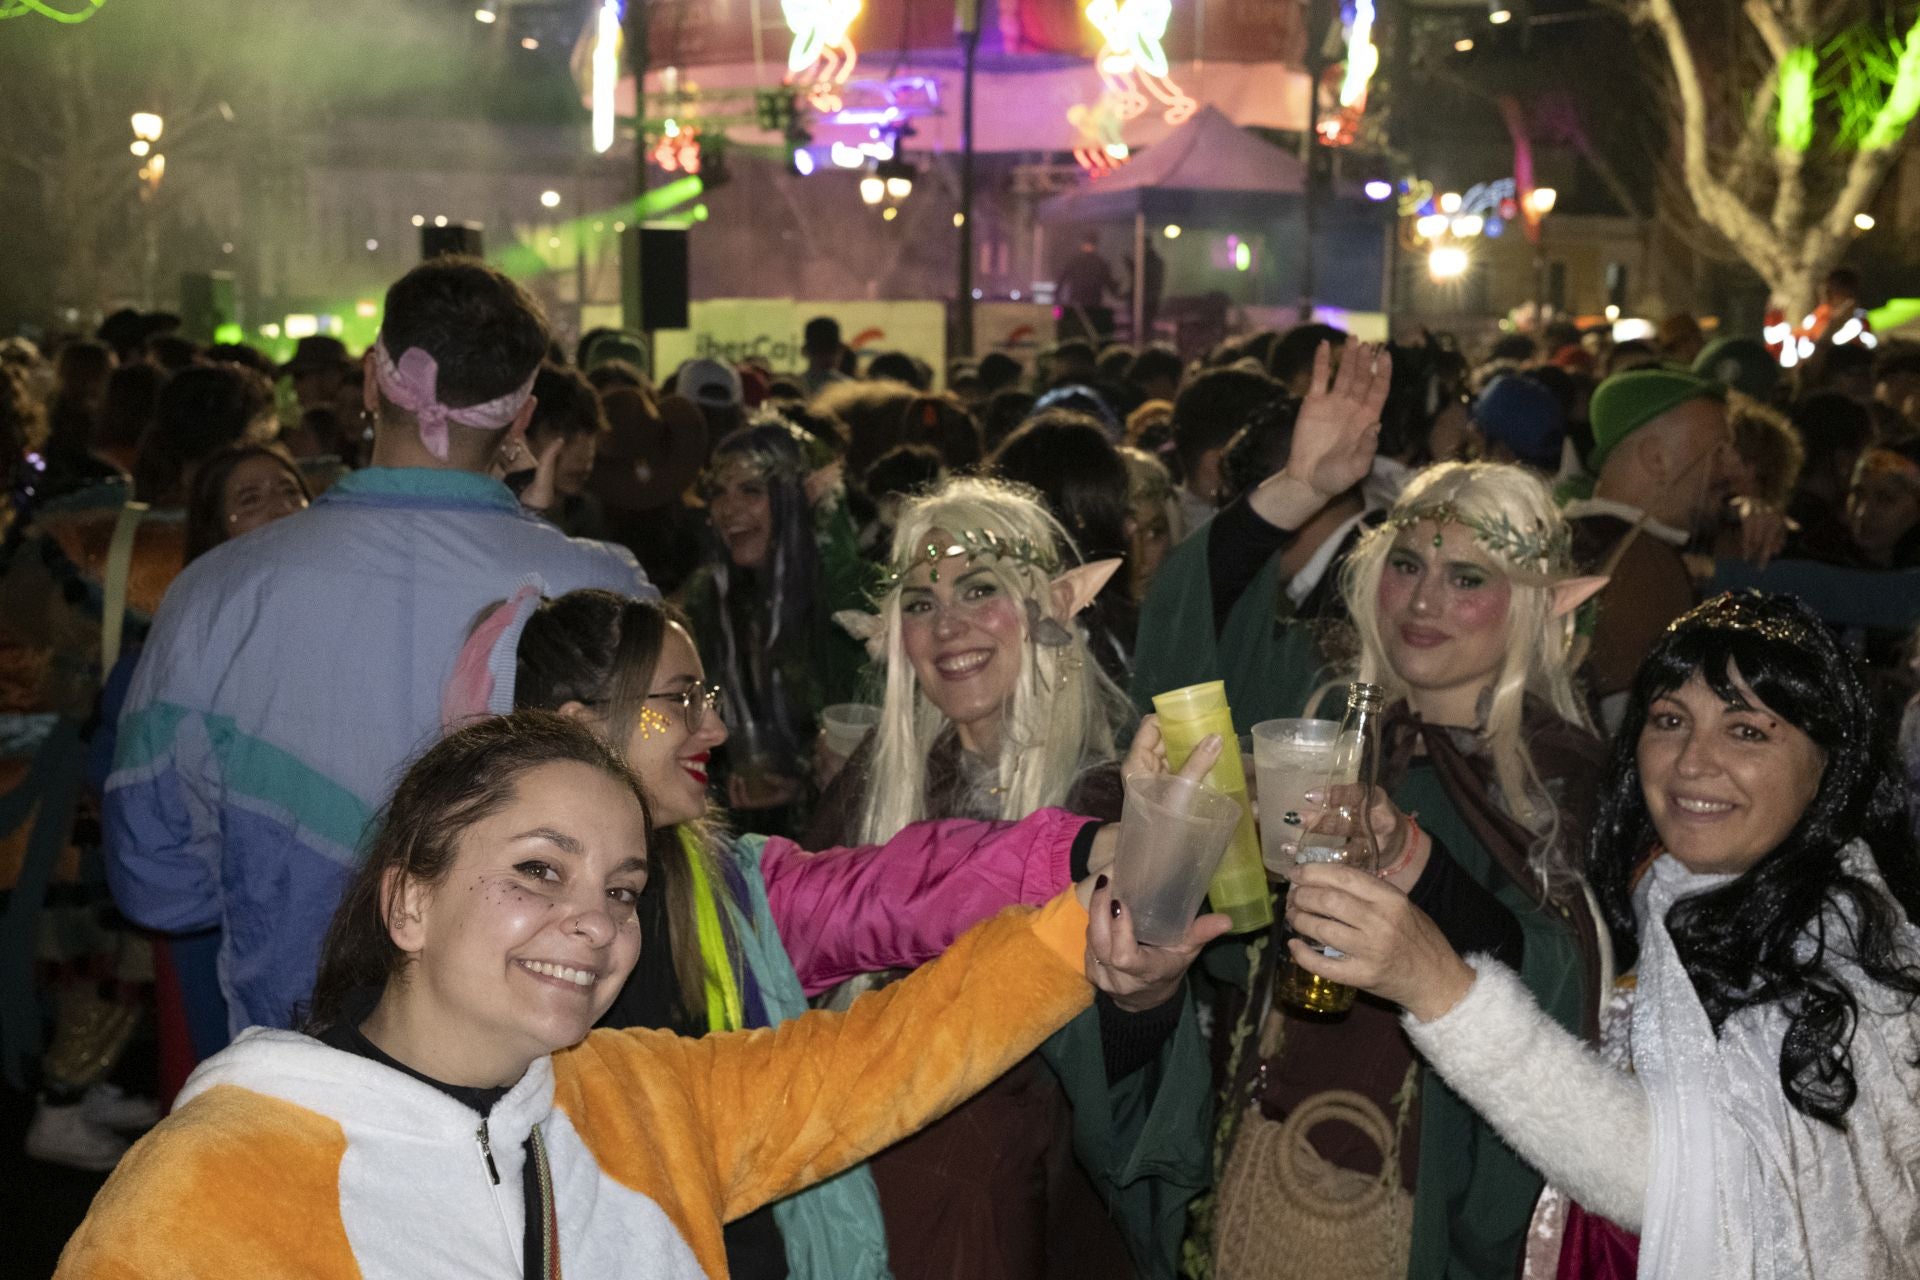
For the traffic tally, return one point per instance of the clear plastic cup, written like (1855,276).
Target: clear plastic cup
(845,724)
(1291,758)
(1172,835)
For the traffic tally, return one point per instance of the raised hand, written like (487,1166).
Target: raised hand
(541,494)
(1338,429)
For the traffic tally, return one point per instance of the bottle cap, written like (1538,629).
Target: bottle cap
(1365,697)
(1195,702)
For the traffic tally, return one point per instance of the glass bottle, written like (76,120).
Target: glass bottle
(1357,760)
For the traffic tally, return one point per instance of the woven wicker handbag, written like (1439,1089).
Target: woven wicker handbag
(1286,1212)
(1283,1211)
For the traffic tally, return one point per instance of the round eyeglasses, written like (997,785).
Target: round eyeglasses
(697,701)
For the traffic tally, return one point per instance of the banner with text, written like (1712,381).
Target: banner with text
(735,329)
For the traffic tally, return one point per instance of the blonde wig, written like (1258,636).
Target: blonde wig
(1522,534)
(1064,714)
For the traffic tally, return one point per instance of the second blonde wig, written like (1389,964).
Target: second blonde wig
(1516,524)
(1064,713)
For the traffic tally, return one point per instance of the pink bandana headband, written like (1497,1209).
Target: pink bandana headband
(411,382)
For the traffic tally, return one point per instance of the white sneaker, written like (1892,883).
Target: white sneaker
(64,1135)
(114,1107)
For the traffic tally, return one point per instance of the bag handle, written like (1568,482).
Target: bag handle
(1346,1107)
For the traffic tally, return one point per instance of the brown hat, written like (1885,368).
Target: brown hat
(650,456)
(317,354)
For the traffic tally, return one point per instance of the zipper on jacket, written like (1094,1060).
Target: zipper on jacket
(486,1153)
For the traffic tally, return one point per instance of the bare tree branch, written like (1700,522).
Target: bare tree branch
(1717,205)
(1767,23)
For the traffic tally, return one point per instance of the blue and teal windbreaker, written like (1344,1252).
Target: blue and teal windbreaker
(289,677)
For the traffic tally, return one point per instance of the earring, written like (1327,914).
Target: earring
(652,722)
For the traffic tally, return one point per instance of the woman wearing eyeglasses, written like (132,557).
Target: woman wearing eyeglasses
(746,927)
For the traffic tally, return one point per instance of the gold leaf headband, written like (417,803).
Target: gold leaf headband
(1535,548)
(973,543)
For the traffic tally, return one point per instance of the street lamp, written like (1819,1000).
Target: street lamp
(1448,262)
(896,176)
(550,199)
(1540,203)
(487,14)
(147,128)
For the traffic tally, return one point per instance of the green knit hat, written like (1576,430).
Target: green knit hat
(1628,401)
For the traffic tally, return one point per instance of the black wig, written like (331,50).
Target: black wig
(784,590)
(1773,934)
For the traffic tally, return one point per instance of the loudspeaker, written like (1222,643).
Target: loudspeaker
(653,277)
(206,305)
(456,237)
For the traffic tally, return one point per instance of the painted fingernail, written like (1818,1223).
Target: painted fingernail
(1100,884)
(1116,908)
(1316,796)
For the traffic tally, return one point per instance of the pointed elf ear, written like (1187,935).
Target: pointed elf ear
(864,627)
(1075,588)
(1574,592)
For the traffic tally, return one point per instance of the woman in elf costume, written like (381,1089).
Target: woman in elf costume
(1462,603)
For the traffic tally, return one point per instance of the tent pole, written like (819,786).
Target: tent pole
(1140,278)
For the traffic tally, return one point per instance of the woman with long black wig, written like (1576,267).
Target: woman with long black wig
(1755,864)
(782,559)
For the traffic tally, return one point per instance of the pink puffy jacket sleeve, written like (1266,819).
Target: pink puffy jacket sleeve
(844,912)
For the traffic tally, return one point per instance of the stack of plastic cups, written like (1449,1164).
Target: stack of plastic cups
(1238,889)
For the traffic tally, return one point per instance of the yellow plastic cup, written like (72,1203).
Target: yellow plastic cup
(1238,889)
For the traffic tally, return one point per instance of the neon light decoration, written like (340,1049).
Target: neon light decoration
(1347,84)
(1100,149)
(1133,74)
(1133,62)
(79,12)
(822,56)
(1363,57)
(606,73)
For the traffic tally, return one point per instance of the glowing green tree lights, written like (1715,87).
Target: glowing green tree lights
(1795,128)
(1786,176)
(1903,100)
(76,11)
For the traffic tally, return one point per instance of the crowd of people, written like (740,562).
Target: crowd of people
(544,816)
